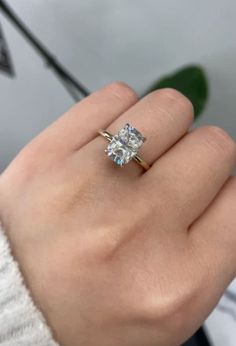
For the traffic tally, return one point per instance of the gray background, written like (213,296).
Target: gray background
(131,40)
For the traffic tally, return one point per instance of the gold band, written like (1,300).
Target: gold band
(136,158)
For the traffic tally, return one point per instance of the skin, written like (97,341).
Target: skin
(119,256)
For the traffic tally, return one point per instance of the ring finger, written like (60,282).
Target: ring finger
(163,117)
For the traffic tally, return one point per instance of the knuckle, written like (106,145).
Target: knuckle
(174,96)
(177,96)
(161,303)
(169,310)
(219,138)
(123,92)
(161,311)
(171,93)
(26,163)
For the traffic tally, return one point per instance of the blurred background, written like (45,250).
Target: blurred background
(135,41)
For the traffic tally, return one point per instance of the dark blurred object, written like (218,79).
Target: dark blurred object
(5,57)
(190,81)
(76,89)
(199,339)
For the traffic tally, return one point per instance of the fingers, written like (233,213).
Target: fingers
(162,117)
(73,130)
(192,172)
(80,124)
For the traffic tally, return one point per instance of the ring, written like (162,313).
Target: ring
(124,146)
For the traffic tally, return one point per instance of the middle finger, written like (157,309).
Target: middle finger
(192,172)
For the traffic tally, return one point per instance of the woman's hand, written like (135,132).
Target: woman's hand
(116,256)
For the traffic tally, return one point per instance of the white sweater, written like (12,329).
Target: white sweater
(21,323)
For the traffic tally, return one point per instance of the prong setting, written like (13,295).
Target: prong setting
(125,145)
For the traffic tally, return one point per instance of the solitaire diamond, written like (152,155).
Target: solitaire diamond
(125,145)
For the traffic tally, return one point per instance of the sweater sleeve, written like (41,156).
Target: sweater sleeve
(21,323)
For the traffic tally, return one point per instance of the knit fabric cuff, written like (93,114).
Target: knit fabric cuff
(21,323)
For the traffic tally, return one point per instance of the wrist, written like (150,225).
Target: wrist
(21,321)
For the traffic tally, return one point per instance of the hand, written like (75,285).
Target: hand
(115,256)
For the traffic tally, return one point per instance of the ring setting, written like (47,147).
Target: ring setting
(124,146)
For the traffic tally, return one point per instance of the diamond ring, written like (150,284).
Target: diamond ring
(124,146)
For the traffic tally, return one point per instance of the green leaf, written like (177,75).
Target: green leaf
(191,81)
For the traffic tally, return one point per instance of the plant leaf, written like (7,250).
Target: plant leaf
(191,81)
